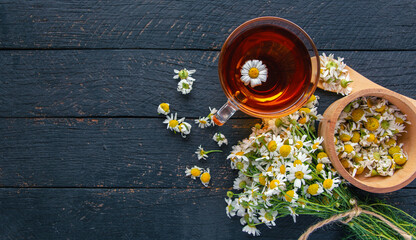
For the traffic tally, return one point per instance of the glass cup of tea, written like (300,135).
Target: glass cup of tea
(268,67)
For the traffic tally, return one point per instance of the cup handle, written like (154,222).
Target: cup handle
(224,113)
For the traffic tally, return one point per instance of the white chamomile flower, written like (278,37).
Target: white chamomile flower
(298,174)
(205,177)
(330,183)
(220,139)
(163,108)
(184,74)
(184,86)
(253,72)
(241,182)
(314,189)
(173,123)
(194,172)
(202,154)
(334,75)
(317,144)
(268,217)
(230,209)
(292,213)
(251,229)
(202,122)
(291,196)
(185,129)
(212,112)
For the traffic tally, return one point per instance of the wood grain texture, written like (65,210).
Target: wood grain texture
(142,214)
(196,25)
(110,152)
(79,83)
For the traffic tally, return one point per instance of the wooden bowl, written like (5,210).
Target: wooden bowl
(377,184)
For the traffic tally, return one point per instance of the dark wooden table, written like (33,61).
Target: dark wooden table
(83,153)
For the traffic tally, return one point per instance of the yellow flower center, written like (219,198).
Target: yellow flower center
(357,114)
(305,110)
(272,146)
(289,195)
(203,121)
(165,107)
(370,103)
(299,144)
(391,142)
(297,162)
(242,184)
(274,183)
(268,216)
(345,137)
(299,174)
(355,137)
(282,169)
(173,123)
(371,137)
(240,165)
(328,183)
(269,169)
(195,172)
(393,150)
(381,109)
(399,159)
(312,98)
(262,179)
(313,189)
(359,170)
(348,148)
(345,163)
(322,155)
(205,177)
(285,150)
(371,124)
(319,167)
(302,120)
(358,159)
(240,154)
(253,72)
(399,120)
(315,145)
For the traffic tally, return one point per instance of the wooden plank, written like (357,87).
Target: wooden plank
(111,152)
(142,214)
(134,82)
(195,25)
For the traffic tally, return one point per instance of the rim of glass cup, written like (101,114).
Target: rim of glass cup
(314,79)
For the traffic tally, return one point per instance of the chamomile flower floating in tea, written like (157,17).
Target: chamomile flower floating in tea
(202,154)
(253,72)
(163,108)
(366,137)
(194,172)
(220,139)
(184,74)
(184,86)
(334,75)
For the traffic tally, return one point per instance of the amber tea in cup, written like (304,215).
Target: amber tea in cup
(292,75)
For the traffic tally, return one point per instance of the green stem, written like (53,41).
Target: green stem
(211,151)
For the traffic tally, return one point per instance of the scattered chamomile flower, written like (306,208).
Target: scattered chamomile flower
(205,177)
(253,72)
(333,74)
(173,123)
(251,229)
(268,217)
(163,108)
(194,172)
(202,154)
(203,122)
(184,74)
(185,129)
(184,86)
(212,112)
(220,139)
(230,209)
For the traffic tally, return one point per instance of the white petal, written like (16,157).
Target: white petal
(245,79)
(176,77)
(176,71)
(191,71)
(244,71)
(255,82)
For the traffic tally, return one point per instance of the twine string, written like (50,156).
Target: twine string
(355,212)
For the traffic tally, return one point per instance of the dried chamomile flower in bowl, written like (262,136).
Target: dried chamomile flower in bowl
(369,136)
